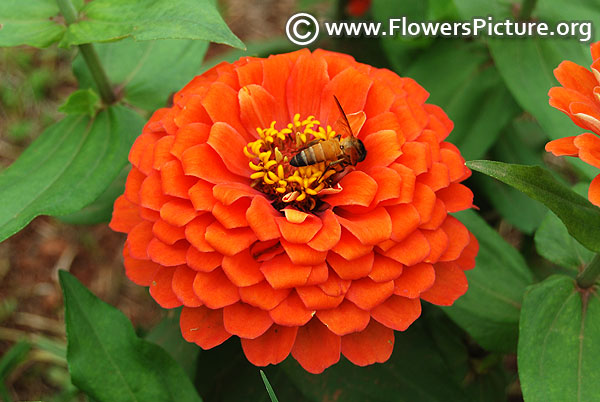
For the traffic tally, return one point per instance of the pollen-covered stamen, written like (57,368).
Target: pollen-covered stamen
(270,157)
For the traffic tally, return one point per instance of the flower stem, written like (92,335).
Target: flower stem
(590,275)
(527,7)
(89,54)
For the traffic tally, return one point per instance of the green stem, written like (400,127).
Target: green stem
(526,9)
(590,275)
(89,54)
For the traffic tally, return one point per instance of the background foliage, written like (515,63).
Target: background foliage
(522,300)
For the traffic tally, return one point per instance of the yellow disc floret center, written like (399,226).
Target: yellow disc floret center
(270,157)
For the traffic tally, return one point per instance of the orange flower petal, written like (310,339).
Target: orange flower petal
(467,257)
(229,241)
(318,274)
(261,218)
(218,95)
(257,108)
(437,177)
(138,240)
(367,294)
(575,77)
(397,312)
(178,212)
(456,197)
(133,185)
(204,162)
(151,194)
(301,254)
(188,136)
(437,217)
(358,189)
(450,283)
(182,284)
(140,272)
(195,232)
(203,326)
(125,215)
(388,184)
(408,183)
(167,233)
(316,347)
(405,219)
(299,232)
(415,156)
(329,234)
(438,121)
(201,261)
(454,162)
(424,201)
(161,289)
(201,195)
(228,193)
(562,147)
(350,87)
(229,144)
(351,269)
(379,99)
(242,269)
(263,296)
(214,289)
(350,247)
(174,182)
(412,250)
(414,280)
(458,237)
(291,312)
(594,191)
(385,269)
(314,298)
(232,216)
(334,285)
(344,319)
(374,344)
(162,152)
(141,152)
(246,321)
(272,347)
(369,229)
(168,255)
(305,85)
(280,272)
(589,148)
(438,244)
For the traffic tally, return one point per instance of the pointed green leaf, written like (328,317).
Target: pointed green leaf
(108,20)
(31,22)
(268,386)
(490,309)
(82,101)
(144,72)
(108,361)
(581,218)
(553,242)
(559,342)
(67,167)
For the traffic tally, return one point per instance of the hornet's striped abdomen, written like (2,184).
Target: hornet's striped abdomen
(323,151)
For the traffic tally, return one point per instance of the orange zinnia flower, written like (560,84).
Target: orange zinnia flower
(296,260)
(579,98)
(357,8)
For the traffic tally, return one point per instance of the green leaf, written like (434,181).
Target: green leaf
(581,218)
(472,93)
(67,167)
(108,20)
(268,386)
(82,101)
(167,334)
(13,357)
(490,309)
(100,210)
(145,72)
(553,242)
(108,361)
(30,22)
(558,342)
(531,78)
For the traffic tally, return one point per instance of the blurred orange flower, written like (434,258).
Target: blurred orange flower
(290,259)
(357,8)
(579,98)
